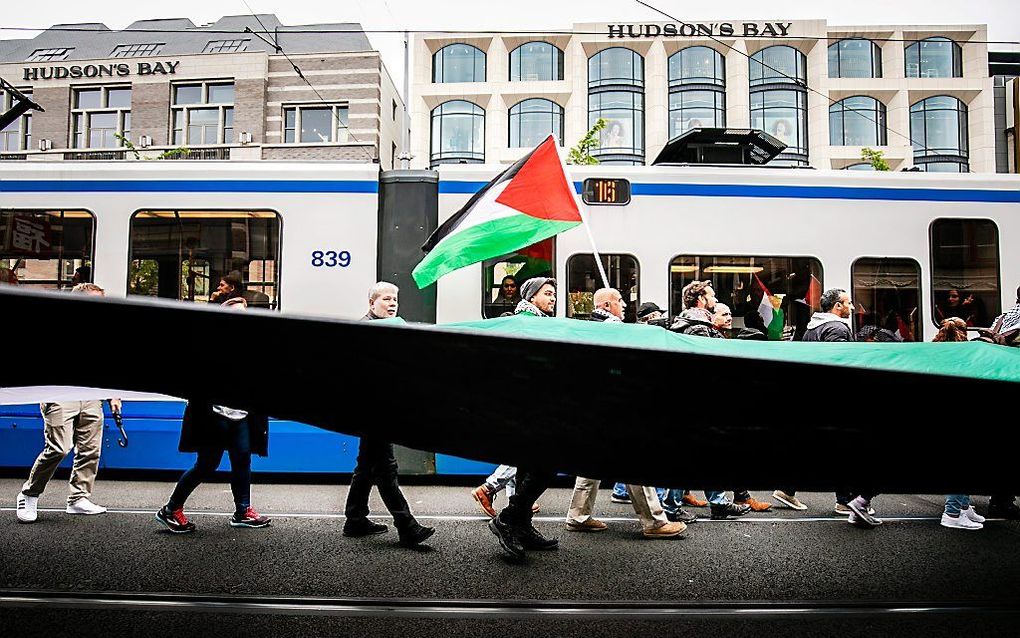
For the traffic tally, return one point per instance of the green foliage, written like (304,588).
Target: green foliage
(875,158)
(174,153)
(581,154)
(143,277)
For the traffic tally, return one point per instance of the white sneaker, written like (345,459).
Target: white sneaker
(28,508)
(959,522)
(972,514)
(85,506)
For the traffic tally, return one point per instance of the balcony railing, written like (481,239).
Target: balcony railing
(94,155)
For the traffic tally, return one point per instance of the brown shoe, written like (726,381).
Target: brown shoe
(669,530)
(536,508)
(755,505)
(693,501)
(483,497)
(590,525)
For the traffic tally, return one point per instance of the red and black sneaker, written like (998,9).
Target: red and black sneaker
(175,520)
(248,518)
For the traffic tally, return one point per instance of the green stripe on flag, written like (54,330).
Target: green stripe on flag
(484,241)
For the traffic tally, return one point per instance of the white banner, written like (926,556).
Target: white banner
(57,393)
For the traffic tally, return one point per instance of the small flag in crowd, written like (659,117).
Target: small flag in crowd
(530,201)
(770,311)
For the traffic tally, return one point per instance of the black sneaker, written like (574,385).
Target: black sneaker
(415,535)
(507,539)
(1009,511)
(249,518)
(682,516)
(532,539)
(720,512)
(358,527)
(175,520)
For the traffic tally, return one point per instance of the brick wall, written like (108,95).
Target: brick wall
(150,112)
(250,109)
(336,153)
(53,123)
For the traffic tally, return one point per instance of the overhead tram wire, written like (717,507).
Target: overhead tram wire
(789,77)
(275,43)
(302,31)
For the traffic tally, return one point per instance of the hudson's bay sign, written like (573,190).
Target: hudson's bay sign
(99,70)
(702,29)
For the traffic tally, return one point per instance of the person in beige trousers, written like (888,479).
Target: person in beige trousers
(77,424)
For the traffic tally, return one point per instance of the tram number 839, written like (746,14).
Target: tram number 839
(331,259)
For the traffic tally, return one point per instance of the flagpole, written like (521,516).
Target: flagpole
(582,209)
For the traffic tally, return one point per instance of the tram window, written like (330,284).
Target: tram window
(965,270)
(44,248)
(583,279)
(535,260)
(178,254)
(794,286)
(887,295)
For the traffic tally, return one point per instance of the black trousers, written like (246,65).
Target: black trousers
(530,486)
(377,466)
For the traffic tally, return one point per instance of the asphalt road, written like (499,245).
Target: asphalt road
(792,573)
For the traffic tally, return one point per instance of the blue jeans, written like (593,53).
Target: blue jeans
(238,447)
(956,502)
(673,500)
(620,491)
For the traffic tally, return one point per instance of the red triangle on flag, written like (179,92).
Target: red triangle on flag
(540,188)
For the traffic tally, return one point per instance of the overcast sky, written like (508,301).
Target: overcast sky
(1001,16)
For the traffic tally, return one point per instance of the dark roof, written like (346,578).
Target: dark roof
(1004,63)
(720,146)
(180,36)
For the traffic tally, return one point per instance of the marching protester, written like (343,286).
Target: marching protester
(376,464)
(67,425)
(608,307)
(210,430)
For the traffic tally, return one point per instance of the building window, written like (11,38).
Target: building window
(44,248)
(793,286)
(857,121)
(176,254)
(697,90)
(583,279)
(203,113)
(934,58)
(99,115)
(458,63)
(531,121)
(616,81)
(887,294)
(536,260)
(938,131)
(225,46)
(137,50)
(16,136)
(965,270)
(778,80)
(458,133)
(855,58)
(315,124)
(49,55)
(860,166)
(536,62)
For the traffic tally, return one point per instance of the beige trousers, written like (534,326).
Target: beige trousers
(77,424)
(644,500)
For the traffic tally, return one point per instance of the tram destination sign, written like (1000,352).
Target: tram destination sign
(702,29)
(120,69)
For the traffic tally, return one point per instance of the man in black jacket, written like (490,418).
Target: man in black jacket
(831,323)
(376,463)
(697,319)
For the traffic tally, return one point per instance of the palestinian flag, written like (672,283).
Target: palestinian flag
(530,201)
(770,312)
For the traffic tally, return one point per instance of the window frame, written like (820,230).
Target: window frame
(556,62)
(236,45)
(765,82)
(879,120)
(49,54)
(455,157)
(339,133)
(92,244)
(919,323)
(82,117)
(876,59)
(137,50)
(956,58)
(931,265)
(440,70)
(278,268)
(558,116)
(185,111)
(929,155)
(488,264)
(23,132)
(630,314)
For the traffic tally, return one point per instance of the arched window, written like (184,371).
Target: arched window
(938,131)
(697,90)
(857,121)
(855,58)
(934,58)
(532,120)
(616,81)
(458,133)
(778,80)
(458,63)
(536,62)
(860,166)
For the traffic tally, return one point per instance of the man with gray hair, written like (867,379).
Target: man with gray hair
(67,425)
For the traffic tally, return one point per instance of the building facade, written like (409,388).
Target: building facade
(921,94)
(219,91)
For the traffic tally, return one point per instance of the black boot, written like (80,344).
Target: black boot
(507,538)
(358,527)
(720,512)
(530,538)
(415,534)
